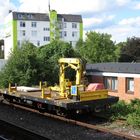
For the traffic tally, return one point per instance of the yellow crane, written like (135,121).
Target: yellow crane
(77,90)
(73,63)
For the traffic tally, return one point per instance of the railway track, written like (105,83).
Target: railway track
(13,132)
(79,123)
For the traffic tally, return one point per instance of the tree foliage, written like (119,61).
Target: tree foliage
(28,64)
(49,56)
(118,50)
(97,48)
(130,51)
(22,66)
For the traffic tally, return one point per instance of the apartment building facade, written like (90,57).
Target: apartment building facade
(40,29)
(121,79)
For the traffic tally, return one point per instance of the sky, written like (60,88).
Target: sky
(120,18)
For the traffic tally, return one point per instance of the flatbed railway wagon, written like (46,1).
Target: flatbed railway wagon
(68,97)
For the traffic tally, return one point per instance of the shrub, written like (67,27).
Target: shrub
(128,111)
(133,119)
(120,110)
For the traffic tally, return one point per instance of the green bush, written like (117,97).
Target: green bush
(120,110)
(133,119)
(135,104)
(128,111)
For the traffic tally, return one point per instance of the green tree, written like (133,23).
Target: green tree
(80,47)
(118,49)
(130,51)
(49,55)
(22,66)
(97,48)
(28,64)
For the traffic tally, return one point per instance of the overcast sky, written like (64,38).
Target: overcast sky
(120,18)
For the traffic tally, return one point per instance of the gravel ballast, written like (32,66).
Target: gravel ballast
(50,128)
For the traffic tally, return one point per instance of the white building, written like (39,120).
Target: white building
(41,28)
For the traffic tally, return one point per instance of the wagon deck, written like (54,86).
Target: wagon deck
(55,100)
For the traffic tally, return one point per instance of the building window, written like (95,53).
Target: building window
(22,33)
(129,85)
(74,34)
(34,24)
(22,24)
(65,33)
(61,35)
(34,33)
(60,26)
(20,16)
(29,16)
(64,25)
(38,43)
(18,43)
(111,83)
(107,82)
(46,38)
(114,83)
(74,25)
(46,29)
(71,43)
